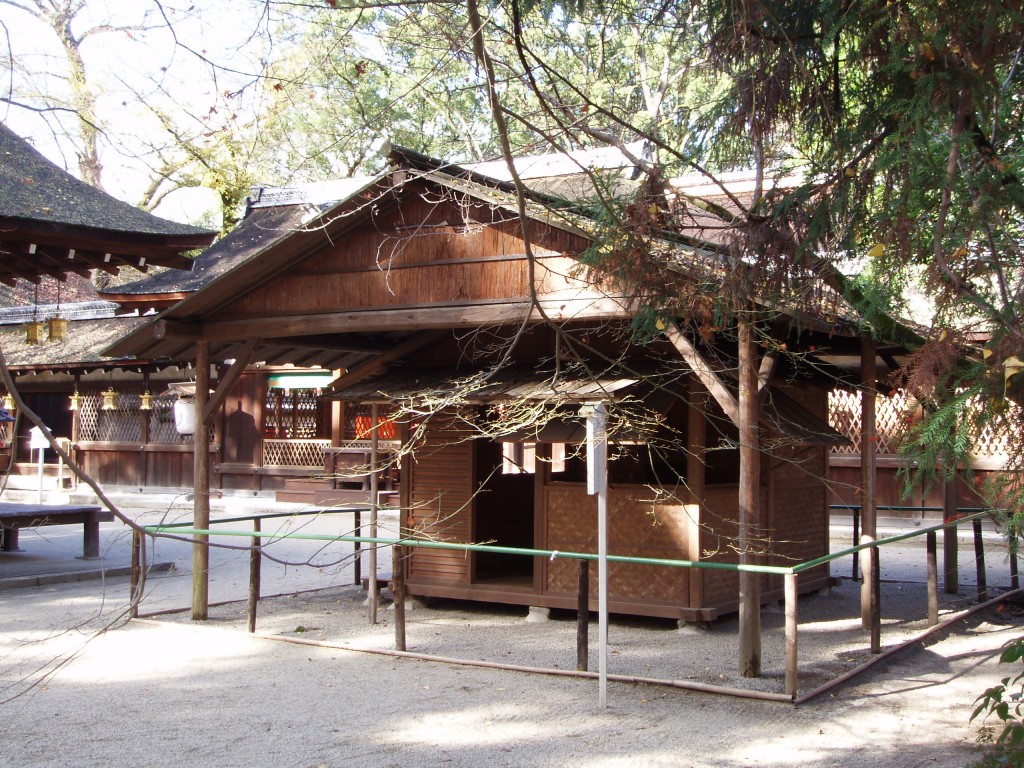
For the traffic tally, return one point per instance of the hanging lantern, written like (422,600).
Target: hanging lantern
(109,399)
(76,401)
(8,403)
(34,332)
(185,414)
(58,328)
(146,401)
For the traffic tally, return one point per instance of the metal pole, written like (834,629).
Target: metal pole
(597,484)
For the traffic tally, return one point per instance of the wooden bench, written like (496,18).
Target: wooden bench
(16,516)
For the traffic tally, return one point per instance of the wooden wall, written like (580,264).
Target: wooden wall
(439,481)
(636,528)
(452,254)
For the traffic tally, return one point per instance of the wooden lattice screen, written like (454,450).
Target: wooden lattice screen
(161,422)
(124,423)
(894,416)
(293,414)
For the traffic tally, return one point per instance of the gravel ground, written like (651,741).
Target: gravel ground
(168,692)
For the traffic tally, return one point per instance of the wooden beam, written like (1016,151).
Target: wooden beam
(766,373)
(372,367)
(177,329)
(425,318)
(711,380)
(868,469)
(230,378)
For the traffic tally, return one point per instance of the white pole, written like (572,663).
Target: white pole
(597,483)
(39,474)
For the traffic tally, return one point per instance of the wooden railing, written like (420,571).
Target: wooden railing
(294,453)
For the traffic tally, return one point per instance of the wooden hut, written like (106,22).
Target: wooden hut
(419,286)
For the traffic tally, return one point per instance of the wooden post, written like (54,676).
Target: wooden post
(583,618)
(979,561)
(357,554)
(792,664)
(1014,576)
(373,513)
(136,573)
(749,496)
(201,481)
(255,562)
(950,540)
(856,535)
(933,580)
(398,591)
(868,462)
(876,601)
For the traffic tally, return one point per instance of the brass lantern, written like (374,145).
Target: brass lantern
(8,403)
(58,328)
(76,401)
(109,399)
(34,332)
(146,401)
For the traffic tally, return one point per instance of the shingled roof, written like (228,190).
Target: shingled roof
(53,223)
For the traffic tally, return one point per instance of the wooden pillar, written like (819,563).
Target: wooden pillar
(868,474)
(749,496)
(255,563)
(933,581)
(696,437)
(201,482)
(373,513)
(583,617)
(950,540)
(875,620)
(398,590)
(979,561)
(135,583)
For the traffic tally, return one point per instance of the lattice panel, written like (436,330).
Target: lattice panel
(122,424)
(992,443)
(294,453)
(292,414)
(893,417)
(161,422)
(359,422)
(89,417)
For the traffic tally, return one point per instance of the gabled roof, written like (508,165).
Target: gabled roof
(53,223)
(171,334)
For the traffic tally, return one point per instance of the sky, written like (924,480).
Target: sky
(144,61)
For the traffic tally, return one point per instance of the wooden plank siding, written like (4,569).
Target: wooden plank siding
(440,502)
(392,264)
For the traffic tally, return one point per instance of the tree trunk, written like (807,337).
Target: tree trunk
(749,513)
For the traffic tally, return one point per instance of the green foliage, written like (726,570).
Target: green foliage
(1003,701)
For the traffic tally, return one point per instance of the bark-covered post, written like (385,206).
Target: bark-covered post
(868,446)
(933,580)
(255,566)
(950,540)
(583,617)
(201,482)
(749,499)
